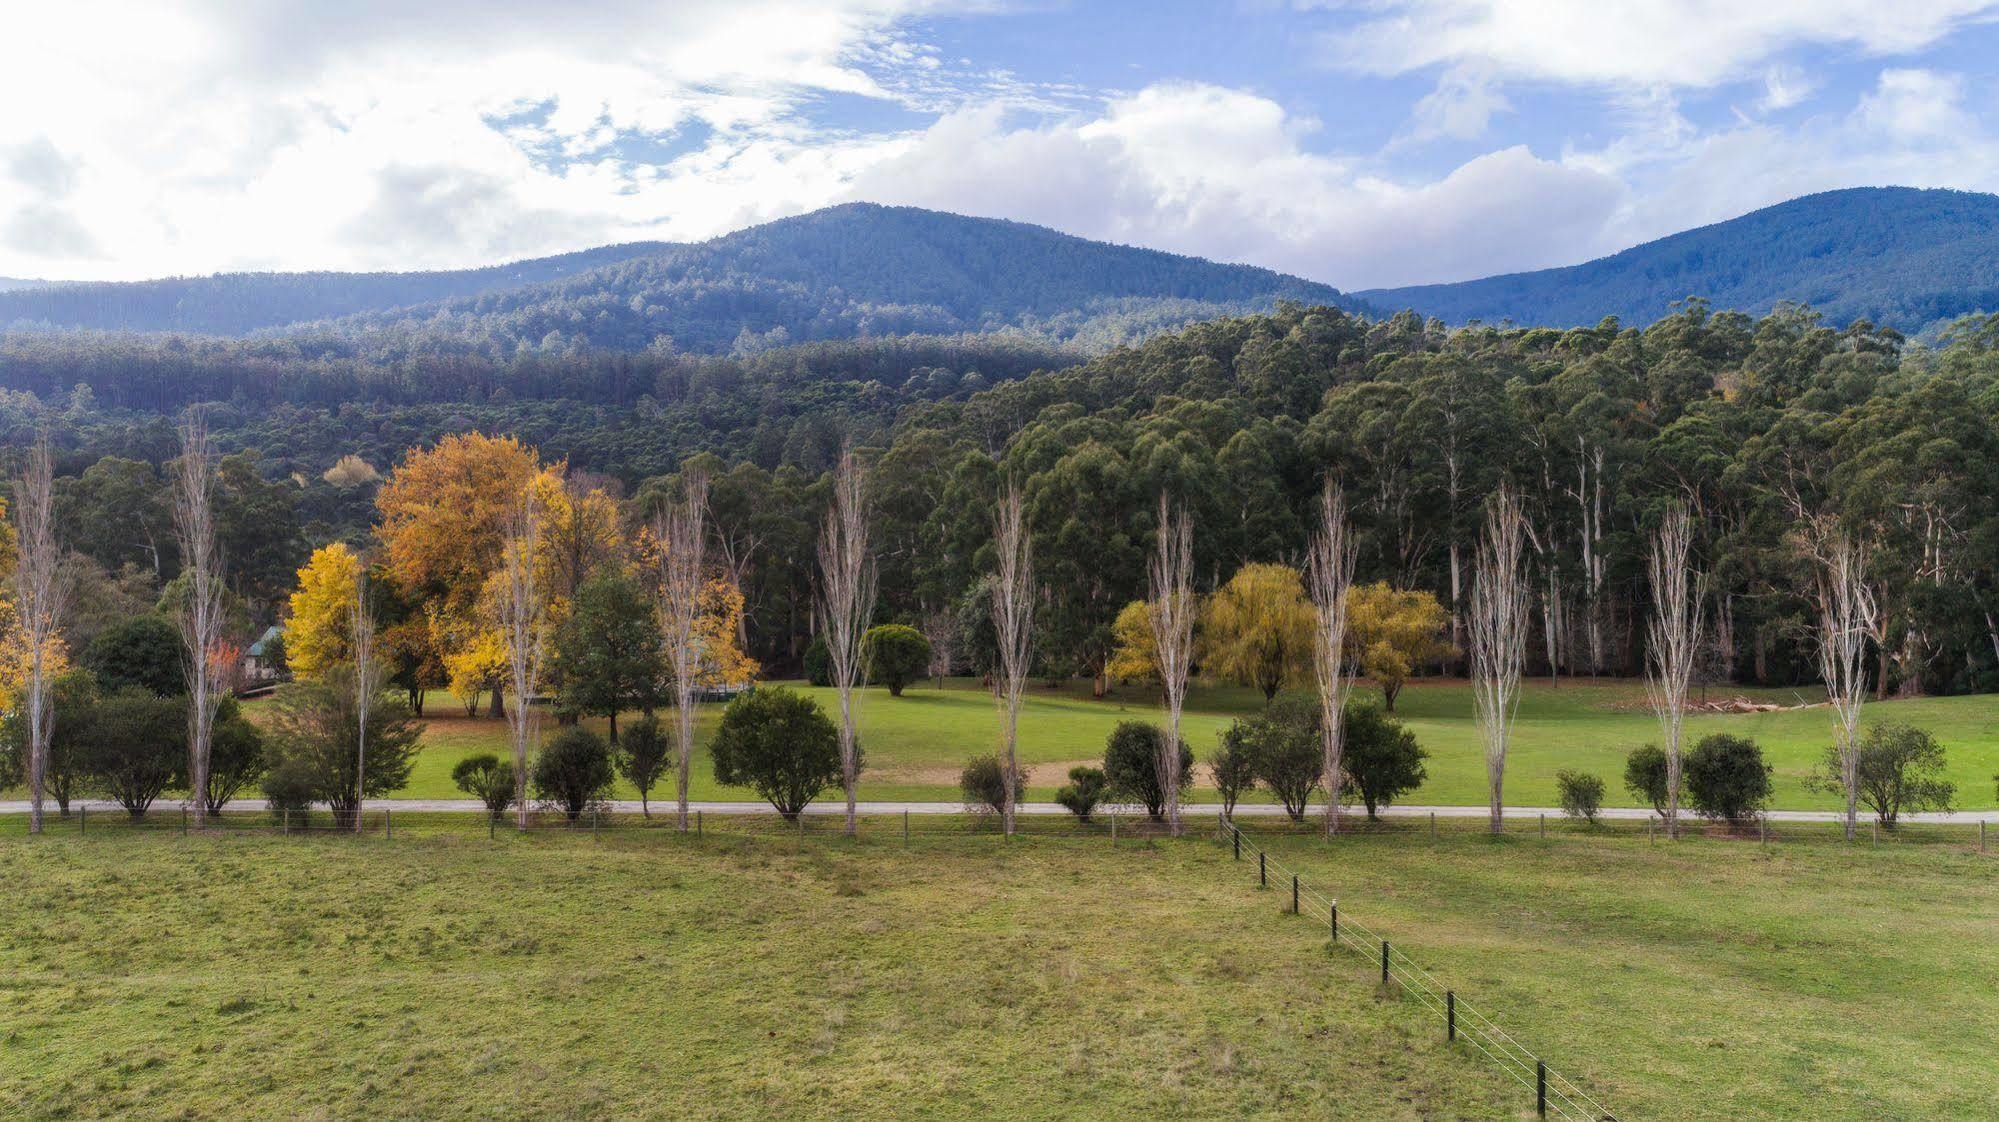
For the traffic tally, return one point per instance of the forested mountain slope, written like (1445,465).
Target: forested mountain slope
(1906,258)
(238,303)
(843,272)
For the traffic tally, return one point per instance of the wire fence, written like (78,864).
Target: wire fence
(1553,1092)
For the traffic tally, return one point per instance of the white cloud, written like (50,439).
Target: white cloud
(1223,174)
(1461,107)
(1634,42)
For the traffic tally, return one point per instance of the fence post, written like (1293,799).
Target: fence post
(1981,835)
(82,819)
(1763,830)
(1433,824)
(1544,827)
(1450,1015)
(1384,962)
(1541,1088)
(287,815)
(594,816)
(697,824)
(492,817)
(1336,923)
(1262,872)
(1294,894)
(1649,838)
(1237,834)
(388,824)
(1877,831)
(183,819)
(905,825)
(1238,841)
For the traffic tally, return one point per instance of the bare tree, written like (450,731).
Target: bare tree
(201,617)
(846,603)
(1329,568)
(1172,579)
(1498,636)
(1675,641)
(1013,623)
(41,593)
(366,681)
(683,537)
(522,608)
(942,633)
(1846,619)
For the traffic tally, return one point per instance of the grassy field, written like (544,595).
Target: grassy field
(1056,976)
(917,743)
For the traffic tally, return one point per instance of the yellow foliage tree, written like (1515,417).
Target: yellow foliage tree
(1256,630)
(1392,632)
(1135,653)
(320,632)
(723,663)
(443,511)
(476,663)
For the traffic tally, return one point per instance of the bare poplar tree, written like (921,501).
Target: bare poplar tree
(1013,623)
(1329,568)
(942,633)
(846,603)
(1675,641)
(1498,635)
(365,683)
(523,604)
(683,537)
(1846,619)
(41,594)
(1172,580)
(201,617)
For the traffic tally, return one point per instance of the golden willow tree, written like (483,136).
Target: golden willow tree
(1498,637)
(204,661)
(1171,576)
(319,632)
(1329,570)
(1256,630)
(682,534)
(1013,624)
(40,595)
(1674,635)
(846,603)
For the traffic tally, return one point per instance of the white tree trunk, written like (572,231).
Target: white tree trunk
(683,537)
(1675,634)
(1498,637)
(41,593)
(847,602)
(1013,622)
(201,618)
(1330,571)
(1172,580)
(523,609)
(1846,618)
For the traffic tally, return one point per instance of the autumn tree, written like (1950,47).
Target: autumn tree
(1135,655)
(1256,630)
(1392,633)
(320,632)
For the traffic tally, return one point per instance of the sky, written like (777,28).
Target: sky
(1361,143)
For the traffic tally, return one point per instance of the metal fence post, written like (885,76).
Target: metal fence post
(183,819)
(905,825)
(1294,894)
(1544,827)
(1237,834)
(1541,1088)
(1649,838)
(492,819)
(594,816)
(1433,824)
(697,824)
(1450,1015)
(82,819)
(287,822)
(1981,835)
(388,824)
(1238,843)
(1384,962)
(1763,830)
(1877,831)
(1262,872)
(1336,923)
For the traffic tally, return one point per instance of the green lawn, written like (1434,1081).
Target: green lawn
(649,974)
(916,743)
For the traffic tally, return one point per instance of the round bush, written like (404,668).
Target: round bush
(779,744)
(1131,765)
(573,770)
(896,655)
(1727,778)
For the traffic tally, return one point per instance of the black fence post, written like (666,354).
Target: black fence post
(1384,962)
(492,821)
(82,819)
(1294,894)
(388,824)
(1336,923)
(697,824)
(1262,872)
(1450,1015)
(905,826)
(1237,834)
(1541,1088)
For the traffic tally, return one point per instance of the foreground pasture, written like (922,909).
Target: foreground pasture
(647,974)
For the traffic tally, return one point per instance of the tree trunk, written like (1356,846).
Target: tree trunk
(497,707)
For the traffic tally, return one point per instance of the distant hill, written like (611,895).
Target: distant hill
(1899,256)
(11,284)
(842,272)
(239,303)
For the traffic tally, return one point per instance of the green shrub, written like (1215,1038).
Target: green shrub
(896,656)
(818,663)
(1284,750)
(642,757)
(1901,768)
(1083,792)
(289,786)
(1233,768)
(779,744)
(983,783)
(1380,757)
(1726,778)
(313,728)
(236,756)
(134,746)
(1131,765)
(142,651)
(1645,776)
(1582,794)
(572,770)
(487,778)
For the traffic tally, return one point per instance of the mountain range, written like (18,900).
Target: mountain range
(856,269)
(1911,259)
(1907,258)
